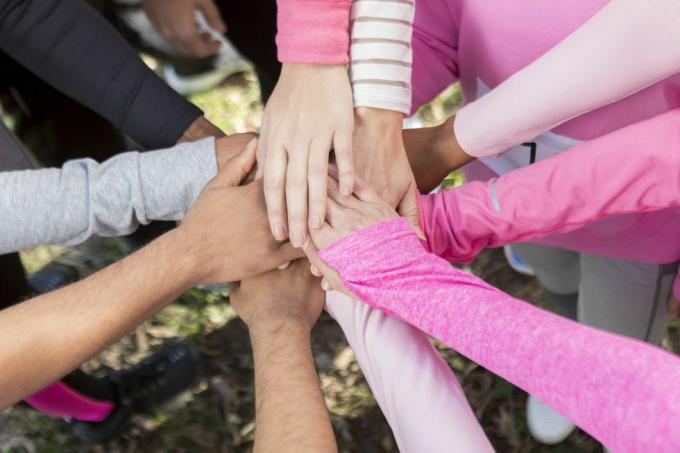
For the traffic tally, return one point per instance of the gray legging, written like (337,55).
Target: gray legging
(621,296)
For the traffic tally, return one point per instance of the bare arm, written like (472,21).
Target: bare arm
(280,308)
(48,336)
(291,413)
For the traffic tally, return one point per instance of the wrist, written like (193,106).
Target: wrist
(277,325)
(189,262)
(200,128)
(382,119)
(449,152)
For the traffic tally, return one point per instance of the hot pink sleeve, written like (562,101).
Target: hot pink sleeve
(633,170)
(313,31)
(627,46)
(623,392)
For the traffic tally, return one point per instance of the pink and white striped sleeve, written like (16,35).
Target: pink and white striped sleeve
(623,392)
(380,52)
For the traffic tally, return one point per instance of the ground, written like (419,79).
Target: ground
(218,413)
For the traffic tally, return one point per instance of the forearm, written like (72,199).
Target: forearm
(290,410)
(544,354)
(70,46)
(627,46)
(48,336)
(433,153)
(633,170)
(397,358)
(68,205)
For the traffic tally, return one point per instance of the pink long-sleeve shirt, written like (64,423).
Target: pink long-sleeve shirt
(573,368)
(626,182)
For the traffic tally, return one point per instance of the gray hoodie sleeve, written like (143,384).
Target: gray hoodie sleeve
(84,198)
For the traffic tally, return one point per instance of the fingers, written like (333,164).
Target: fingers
(262,149)
(318,171)
(342,146)
(212,16)
(408,208)
(364,192)
(296,195)
(274,191)
(239,166)
(331,279)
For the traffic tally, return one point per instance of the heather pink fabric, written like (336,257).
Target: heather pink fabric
(313,31)
(573,368)
(61,400)
(632,174)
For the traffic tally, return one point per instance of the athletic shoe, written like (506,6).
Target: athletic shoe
(52,276)
(155,380)
(546,425)
(517,263)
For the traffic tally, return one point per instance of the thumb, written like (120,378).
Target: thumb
(238,166)
(408,208)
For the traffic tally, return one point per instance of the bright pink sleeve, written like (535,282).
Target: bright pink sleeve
(633,170)
(623,392)
(627,46)
(313,31)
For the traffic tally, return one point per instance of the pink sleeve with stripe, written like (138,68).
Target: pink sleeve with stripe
(627,46)
(623,392)
(313,31)
(632,170)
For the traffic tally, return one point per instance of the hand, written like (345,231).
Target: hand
(286,296)
(309,113)
(228,147)
(225,233)
(433,153)
(344,216)
(382,162)
(174,19)
(200,128)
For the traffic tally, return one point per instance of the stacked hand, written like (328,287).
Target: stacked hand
(309,113)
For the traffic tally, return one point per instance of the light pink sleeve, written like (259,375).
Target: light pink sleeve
(627,46)
(313,31)
(420,396)
(632,170)
(623,392)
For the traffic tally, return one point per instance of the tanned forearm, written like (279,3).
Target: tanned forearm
(291,414)
(60,330)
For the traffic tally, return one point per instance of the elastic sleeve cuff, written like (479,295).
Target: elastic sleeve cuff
(173,178)
(313,31)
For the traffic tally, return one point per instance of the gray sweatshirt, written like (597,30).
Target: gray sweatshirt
(84,198)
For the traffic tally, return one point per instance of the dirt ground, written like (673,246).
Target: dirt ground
(218,413)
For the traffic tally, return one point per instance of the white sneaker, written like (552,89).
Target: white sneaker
(546,425)
(517,263)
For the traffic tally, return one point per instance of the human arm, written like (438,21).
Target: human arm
(68,205)
(280,308)
(632,170)
(627,46)
(576,369)
(414,387)
(70,46)
(48,336)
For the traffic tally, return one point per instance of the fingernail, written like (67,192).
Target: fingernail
(298,239)
(325,286)
(345,189)
(279,232)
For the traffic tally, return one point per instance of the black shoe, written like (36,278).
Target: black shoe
(51,277)
(145,386)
